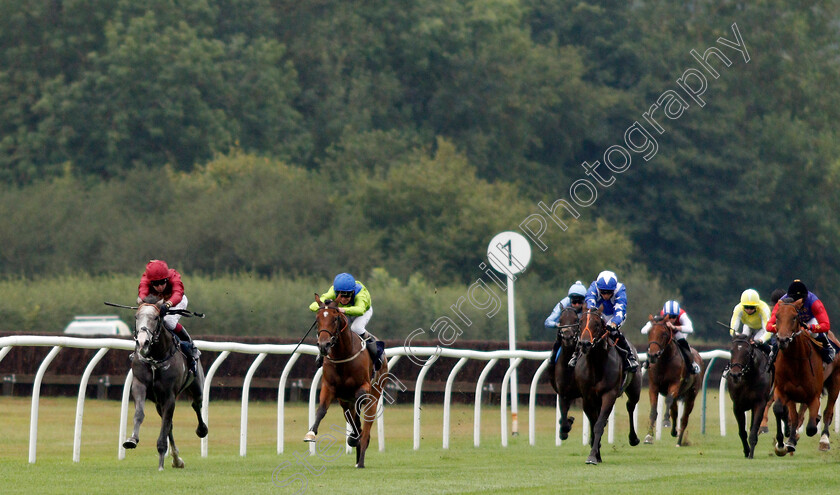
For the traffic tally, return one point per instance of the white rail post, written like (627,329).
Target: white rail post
(380,417)
(80,403)
(246,388)
(205,396)
(418,388)
(36,396)
(447,399)
(505,383)
(532,404)
(281,401)
(478,386)
(313,399)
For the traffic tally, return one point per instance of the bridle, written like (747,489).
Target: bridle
(154,337)
(566,336)
(800,326)
(341,323)
(746,367)
(653,356)
(593,339)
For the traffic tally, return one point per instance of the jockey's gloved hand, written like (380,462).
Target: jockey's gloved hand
(164,308)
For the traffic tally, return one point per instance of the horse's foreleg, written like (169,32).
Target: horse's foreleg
(779,411)
(565,421)
(607,403)
(166,409)
(670,419)
(326,397)
(742,430)
(813,416)
(755,425)
(653,392)
(793,418)
(828,413)
(138,390)
(689,406)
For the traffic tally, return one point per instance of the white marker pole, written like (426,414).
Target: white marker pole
(509,253)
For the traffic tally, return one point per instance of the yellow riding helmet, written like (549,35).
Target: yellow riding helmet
(750,298)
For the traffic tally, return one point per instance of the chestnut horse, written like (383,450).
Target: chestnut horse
(800,378)
(750,386)
(668,375)
(348,377)
(600,377)
(561,376)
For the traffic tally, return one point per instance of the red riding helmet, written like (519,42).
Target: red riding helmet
(157,270)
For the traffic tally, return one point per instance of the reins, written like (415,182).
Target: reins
(345,324)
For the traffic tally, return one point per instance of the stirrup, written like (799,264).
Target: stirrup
(695,368)
(631,364)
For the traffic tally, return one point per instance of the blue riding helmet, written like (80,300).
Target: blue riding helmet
(577,289)
(671,308)
(606,281)
(344,282)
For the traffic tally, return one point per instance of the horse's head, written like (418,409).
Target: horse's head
(331,322)
(592,328)
(788,324)
(659,336)
(569,328)
(148,327)
(741,357)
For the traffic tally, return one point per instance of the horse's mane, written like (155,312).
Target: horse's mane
(150,299)
(788,300)
(740,337)
(658,318)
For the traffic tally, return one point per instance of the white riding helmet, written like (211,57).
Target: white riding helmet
(750,298)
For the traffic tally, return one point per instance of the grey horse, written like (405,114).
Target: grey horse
(161,373)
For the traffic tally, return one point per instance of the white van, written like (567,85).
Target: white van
(87,326)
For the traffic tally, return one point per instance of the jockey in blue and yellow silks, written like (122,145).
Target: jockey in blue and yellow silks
(353,300)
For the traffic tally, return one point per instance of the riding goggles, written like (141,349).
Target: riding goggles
(576,300)
(749,307)
(345,293)
(162,281)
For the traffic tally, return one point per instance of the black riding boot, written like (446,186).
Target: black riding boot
(685,350)
(188,347)
(770,349)
(630,361)
(828,349)
(575,357)
(373,350)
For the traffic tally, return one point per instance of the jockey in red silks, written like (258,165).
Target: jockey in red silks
(165,283)
(812,314)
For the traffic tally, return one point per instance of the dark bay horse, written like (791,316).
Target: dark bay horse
(348,377)
(668,375)
(561,376)
(800,378)
(750,388)
(161,373)
(600,376)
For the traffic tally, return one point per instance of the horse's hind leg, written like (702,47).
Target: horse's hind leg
(633,393)
(177,462)
(367,414)
(167,409)
(138,390)
(654,401)
(742,430)
(756,419)
(689,406)
(197,393)
(833,388)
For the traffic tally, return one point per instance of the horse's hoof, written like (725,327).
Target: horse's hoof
(764,429)
(780,451)
(160,468)
(201,431)
(130,443)
(309,437)
(791,448)
(592,460)
(352,441)
(825,443)
(179,464)
(649,440)
(666,423)
(564,435)
(634,441)
(811,430)
(360,466)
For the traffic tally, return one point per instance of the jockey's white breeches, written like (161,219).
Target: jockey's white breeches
(170,321)
(358,323)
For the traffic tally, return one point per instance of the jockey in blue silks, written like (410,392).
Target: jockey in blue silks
(611,296)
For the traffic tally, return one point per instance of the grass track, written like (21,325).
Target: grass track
(710,464)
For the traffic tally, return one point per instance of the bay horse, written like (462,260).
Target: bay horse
(561,376)
(600,378)
(668,374)
(750,386)
(161,373)
(348,376)
(800,378)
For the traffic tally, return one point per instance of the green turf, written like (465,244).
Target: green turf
(710,464)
